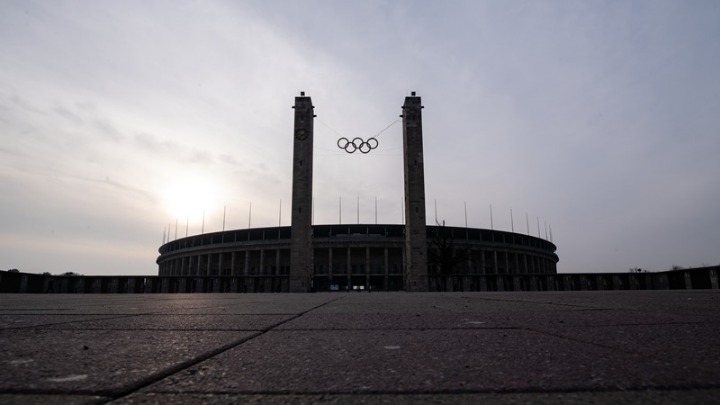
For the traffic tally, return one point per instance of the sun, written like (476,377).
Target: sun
(190,199)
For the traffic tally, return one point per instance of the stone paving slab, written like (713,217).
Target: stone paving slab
(692,349)
(439,303)
(43,320)
(603,317)
(180,322)
(395,321)
(99,362)
(178,304)
(659,397)
(421,361)
(544,347)
(693,302)
(542,318)
(53,399)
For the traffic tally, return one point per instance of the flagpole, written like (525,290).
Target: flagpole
(465,209)
(527,223)
(491,218)
(512,223)
(467,234)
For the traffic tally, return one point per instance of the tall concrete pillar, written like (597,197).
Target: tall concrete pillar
(301,254)
(416,269)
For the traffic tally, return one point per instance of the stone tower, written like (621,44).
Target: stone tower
(301,253)
(416,268)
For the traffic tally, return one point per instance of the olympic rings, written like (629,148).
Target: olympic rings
(358,144)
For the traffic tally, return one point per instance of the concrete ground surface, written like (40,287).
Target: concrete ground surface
(506,348)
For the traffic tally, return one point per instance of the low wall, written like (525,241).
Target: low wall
(36,283)
(698,278)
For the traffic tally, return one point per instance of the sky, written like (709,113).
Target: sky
(124,124)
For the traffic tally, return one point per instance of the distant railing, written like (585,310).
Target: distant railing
(697,278)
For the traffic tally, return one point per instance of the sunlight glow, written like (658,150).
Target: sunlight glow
(190,198)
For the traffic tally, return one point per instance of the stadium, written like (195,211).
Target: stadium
(412,256)
(357,257)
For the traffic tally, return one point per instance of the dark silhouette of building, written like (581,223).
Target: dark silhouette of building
(305,257)
(348,256)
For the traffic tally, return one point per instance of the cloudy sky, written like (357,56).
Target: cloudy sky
(599,120)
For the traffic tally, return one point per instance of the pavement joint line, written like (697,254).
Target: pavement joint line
(106,313)
(392,329)
(106,398)
(678,387)
(585,307)
(467,328)
(537,302)
(602,325)
(163,329)
(576,340)
(203,357)
(62,323)
(115,316)
(226,314)
(30,309)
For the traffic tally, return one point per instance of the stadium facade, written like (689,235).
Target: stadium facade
(357,257)
(306,257)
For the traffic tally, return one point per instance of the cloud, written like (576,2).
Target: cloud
(598,118)
(228,159)
(151,144)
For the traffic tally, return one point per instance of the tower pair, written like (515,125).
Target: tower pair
(301,250)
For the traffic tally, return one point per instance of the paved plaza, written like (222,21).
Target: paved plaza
(523,347)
